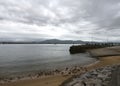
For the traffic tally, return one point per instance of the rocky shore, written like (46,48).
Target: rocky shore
(97,77)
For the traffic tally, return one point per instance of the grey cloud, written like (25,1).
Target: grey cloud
(103,12)
(78,19)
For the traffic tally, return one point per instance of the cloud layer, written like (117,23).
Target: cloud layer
(96,20)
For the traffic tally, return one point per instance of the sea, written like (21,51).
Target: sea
(25,58)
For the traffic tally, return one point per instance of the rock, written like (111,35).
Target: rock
(98,77)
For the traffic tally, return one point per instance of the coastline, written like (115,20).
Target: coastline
(57,79)
(58,74)
(62,73)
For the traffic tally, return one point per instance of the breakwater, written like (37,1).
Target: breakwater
(83,48)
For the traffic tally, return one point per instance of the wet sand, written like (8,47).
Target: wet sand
(47,81)
(52,78)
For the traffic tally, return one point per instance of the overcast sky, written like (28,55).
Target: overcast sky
(96,20)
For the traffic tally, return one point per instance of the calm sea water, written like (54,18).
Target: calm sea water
(20,58)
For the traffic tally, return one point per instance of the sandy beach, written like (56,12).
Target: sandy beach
(52,78)
(56,80)
(47,81)
(105,56)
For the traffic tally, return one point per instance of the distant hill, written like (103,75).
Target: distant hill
(56,41)
(51,41)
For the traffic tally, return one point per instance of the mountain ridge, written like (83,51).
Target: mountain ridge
(48,41)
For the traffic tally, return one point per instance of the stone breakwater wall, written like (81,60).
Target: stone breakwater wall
(84,48)
(97,77)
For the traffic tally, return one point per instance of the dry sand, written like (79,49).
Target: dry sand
(104,61)
(102,52)
(106,56)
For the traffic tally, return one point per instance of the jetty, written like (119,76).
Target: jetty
(88,46)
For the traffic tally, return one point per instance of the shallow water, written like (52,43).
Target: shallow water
(20,58)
